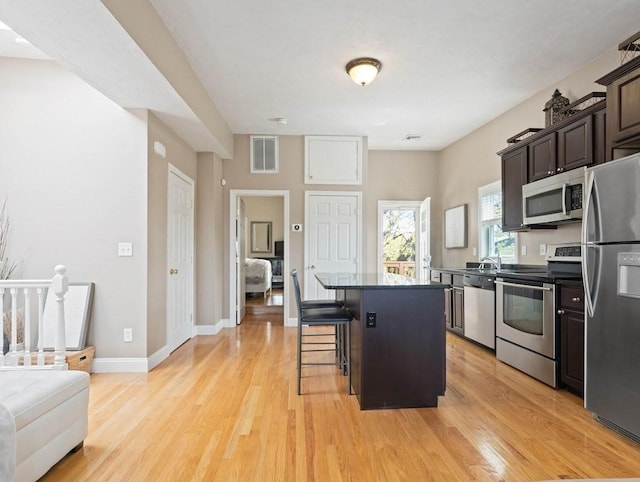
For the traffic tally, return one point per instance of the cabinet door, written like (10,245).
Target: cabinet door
(572,350)
(600,136)
(542,157)
(623,108)
(448,319)
(514,175)
(458,309)
(575,145)
(571,317)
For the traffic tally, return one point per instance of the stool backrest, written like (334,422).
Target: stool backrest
(296,289)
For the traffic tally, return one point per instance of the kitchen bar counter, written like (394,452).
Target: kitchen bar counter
(397,338)
(365,281)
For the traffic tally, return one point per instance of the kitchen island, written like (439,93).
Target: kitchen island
(397,338)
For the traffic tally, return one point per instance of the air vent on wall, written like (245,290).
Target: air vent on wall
(264,154)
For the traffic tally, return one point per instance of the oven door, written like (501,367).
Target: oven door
(525,315)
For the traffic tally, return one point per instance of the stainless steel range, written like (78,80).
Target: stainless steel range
(526,315)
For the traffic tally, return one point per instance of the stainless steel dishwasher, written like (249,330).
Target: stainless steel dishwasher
(480,309)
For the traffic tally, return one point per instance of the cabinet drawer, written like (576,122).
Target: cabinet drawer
(572,297)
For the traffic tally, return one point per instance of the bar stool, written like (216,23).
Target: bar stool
(322,313)
(315,303)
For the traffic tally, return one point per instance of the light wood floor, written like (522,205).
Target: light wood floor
(224,408)
(272,304)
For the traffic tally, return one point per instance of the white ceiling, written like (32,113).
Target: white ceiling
(448,67)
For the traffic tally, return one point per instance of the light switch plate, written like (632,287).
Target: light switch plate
(125,249)
(475,251)
(523,250)
(543,249)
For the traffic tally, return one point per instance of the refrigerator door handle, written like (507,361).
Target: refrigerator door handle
(588,198)
(588,299)
(587,206)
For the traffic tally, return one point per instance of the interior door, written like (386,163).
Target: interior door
(332,240)
(241,253)
(180,229)
(424,254)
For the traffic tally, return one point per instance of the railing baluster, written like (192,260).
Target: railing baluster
(27,326)
(40,292)
(14,327)
(60,286)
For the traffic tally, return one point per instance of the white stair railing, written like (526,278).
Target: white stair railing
(22,292)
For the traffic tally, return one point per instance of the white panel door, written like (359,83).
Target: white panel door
(424,254)
(179,259)
(241,253)
(332,239)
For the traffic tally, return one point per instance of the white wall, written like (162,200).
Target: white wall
(74,166)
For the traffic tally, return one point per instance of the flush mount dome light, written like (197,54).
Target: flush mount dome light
(363,70)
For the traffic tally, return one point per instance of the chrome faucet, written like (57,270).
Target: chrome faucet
(495,261)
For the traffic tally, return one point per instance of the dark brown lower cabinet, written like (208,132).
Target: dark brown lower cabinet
(571,317)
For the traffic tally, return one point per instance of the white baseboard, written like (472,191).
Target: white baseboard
(144,365)
(291,322)
(158,357)
(120,365)
(228,323)
(210,329)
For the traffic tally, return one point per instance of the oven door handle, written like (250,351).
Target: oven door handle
(539,288)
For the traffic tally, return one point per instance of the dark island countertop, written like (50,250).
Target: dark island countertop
(363,281)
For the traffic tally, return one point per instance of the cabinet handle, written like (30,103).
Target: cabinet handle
(576,299)
(549,172)
(561,312)
(560,169)
(173,271)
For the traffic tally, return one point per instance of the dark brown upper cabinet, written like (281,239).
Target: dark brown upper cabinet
(623,110)
(571,143)
(575,145)
(542,157)
(514,176)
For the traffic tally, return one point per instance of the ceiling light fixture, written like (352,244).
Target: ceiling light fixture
(363,70)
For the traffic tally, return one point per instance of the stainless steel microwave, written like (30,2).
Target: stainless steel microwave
(554,199)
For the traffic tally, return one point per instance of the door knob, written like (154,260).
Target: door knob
(313,266)
(173,271)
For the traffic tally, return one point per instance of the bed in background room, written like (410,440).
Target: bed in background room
(257,276)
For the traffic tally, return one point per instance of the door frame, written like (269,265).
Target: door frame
(307,235)
(177,172)
(234,195)
(386,205)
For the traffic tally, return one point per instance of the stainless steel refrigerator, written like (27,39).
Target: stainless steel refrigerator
(611,273)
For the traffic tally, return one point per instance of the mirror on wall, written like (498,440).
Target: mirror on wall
(260,236)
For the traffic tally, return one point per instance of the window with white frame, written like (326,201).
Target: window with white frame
(492,241)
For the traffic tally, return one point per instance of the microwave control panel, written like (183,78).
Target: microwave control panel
(575,197)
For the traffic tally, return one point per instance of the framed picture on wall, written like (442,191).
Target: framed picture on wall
(455,227)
